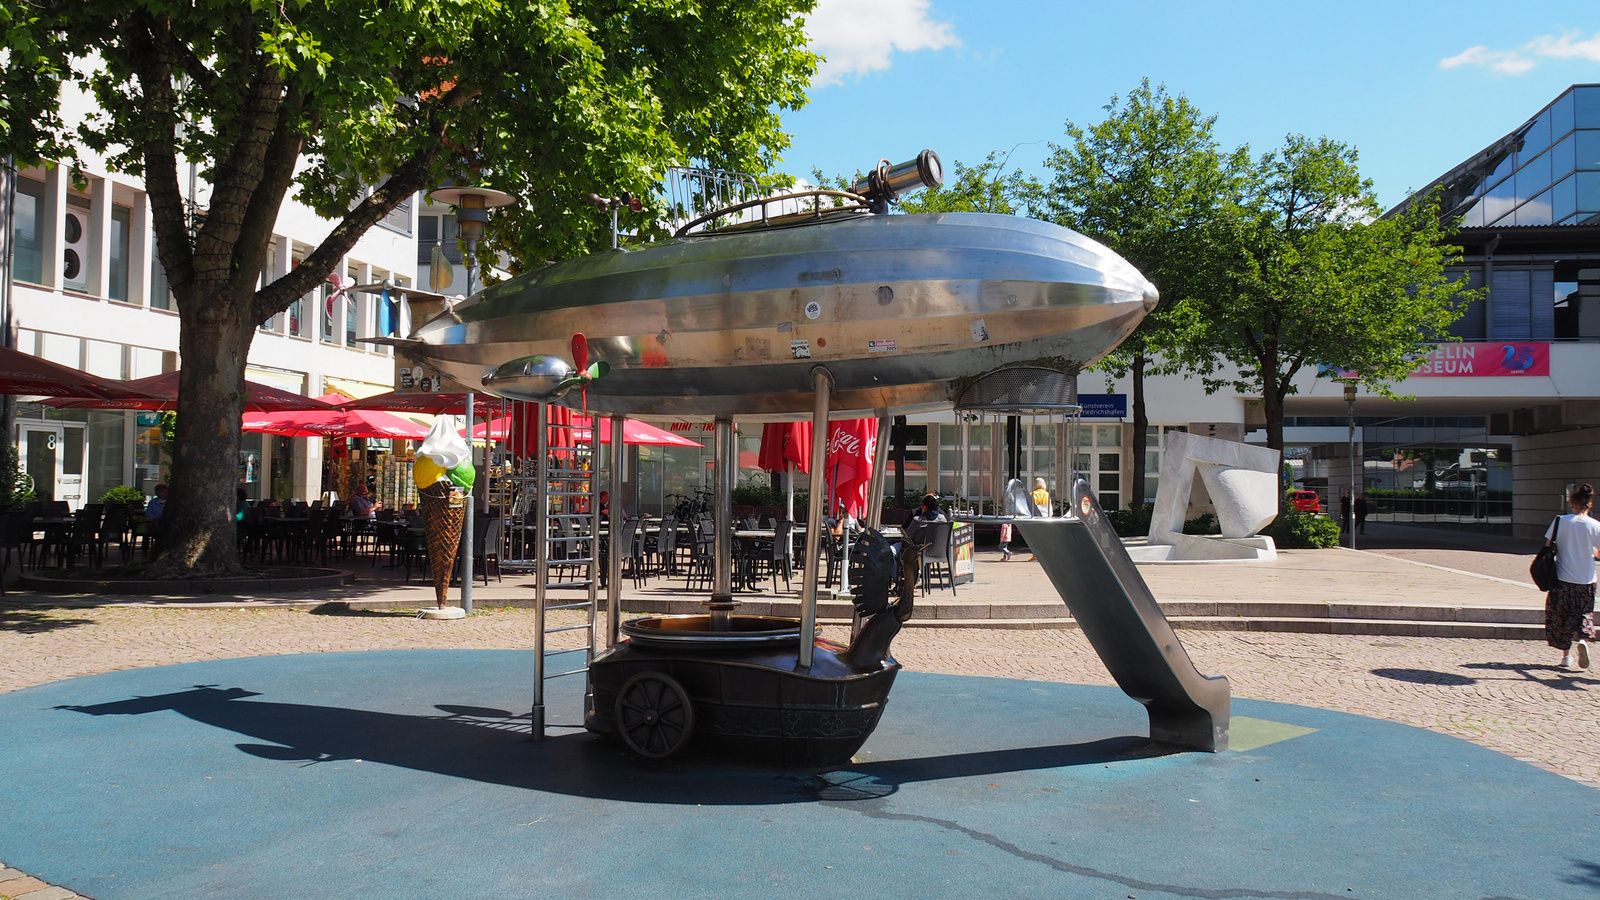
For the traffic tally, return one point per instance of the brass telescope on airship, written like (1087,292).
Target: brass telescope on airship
(902,311)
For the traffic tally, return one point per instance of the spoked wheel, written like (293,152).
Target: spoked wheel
(654,716)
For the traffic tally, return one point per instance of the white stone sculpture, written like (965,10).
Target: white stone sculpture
(1243,483)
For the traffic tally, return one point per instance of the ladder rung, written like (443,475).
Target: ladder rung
(564,674)
(568,650)
(568,584)
(568,628)
(583,605)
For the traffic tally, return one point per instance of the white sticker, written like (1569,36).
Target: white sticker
(980,331)
(813,309)
(800,349)
(884,346)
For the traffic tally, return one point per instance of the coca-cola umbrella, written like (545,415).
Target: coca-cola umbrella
(28,375)
(851,446)
(160,392)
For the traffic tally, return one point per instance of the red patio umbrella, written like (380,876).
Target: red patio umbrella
(425,404)
(784,444)
(161,392)
(633,431)
(851,446)
(336,423)
(28,375)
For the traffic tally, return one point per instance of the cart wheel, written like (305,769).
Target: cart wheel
(654,716)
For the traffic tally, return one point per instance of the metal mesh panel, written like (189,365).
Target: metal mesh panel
(1020,389)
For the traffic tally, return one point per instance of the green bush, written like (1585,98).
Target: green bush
(1133,521)
(754,492)
(16,487)
(122,494)
(1206,523)
(1295,530)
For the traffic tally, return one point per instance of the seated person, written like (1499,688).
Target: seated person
(362,505)
(927,515)
(157,505)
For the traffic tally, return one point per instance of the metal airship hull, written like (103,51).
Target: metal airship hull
(900,309)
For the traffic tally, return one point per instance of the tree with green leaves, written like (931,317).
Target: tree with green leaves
(1306,275)
(988,187)
(357,106)
(1145,181)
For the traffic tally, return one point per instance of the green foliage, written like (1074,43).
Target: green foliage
(1133,521)
(16,486)
(1307,275)
(987,188)
(1293,530)
(1205,523)
(122,494)
(757,492)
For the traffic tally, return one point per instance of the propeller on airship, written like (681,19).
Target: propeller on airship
(583,371)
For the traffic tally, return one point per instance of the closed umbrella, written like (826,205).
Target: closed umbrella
(851,445)
(786,447)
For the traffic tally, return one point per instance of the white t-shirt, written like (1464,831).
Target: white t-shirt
(1576,543)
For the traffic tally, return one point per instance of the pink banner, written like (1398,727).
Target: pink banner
(1479,360)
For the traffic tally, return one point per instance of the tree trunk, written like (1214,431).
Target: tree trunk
(197,530)
(1141,425)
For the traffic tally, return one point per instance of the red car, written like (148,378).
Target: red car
(1306,501)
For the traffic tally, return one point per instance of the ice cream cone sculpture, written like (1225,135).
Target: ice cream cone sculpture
(444,509)
(443,474)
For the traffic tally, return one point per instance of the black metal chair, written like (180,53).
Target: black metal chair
(488,533)
(13,525)
(83,537)
(115,526)
(782,558)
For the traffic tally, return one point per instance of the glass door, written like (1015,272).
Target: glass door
(40,450)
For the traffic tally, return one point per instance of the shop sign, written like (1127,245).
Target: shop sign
(1104,406)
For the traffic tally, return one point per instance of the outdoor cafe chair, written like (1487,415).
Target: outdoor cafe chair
(936,555)
(13,524)
(781,558)
(115,527)
(84,536)
(488,536)
(700,557)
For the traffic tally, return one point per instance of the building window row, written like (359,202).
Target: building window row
(1553,176)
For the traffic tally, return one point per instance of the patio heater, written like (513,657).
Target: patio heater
(472,205)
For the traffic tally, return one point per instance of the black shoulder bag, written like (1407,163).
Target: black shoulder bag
(1543,569)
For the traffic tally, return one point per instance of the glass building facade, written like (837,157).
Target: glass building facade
(1545,173)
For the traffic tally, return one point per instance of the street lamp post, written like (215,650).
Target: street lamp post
(472,205)
(1350,398)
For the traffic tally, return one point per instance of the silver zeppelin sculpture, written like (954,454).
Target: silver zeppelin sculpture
(902,310)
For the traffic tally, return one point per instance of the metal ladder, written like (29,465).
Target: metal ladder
(566,488)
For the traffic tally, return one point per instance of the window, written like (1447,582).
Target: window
(350,319)
(121,236)
(160,290)
(441,230)
(330,307)
(1587,106)
(275,322)
(1533,178)
(27,233)
(399,218)
(1561,117)
(1588,150)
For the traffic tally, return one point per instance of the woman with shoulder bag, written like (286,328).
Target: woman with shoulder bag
(1576,539)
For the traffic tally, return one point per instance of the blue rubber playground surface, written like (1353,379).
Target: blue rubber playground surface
(410,774)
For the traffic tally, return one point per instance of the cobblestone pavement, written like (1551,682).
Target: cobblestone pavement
(1505,695)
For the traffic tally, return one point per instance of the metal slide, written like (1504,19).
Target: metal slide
(1106,595)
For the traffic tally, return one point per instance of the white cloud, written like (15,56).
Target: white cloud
(861,36)
(1568,46)
(1506,62)
(1510,62)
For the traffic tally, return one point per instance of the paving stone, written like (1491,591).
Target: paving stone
(48,893)
(16,887)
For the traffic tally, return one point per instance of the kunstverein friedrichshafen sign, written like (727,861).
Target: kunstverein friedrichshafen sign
(1498,358)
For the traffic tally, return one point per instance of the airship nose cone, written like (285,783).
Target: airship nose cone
(1152,297)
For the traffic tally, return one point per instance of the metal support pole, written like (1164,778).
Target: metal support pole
(541,554)
(880,466)
(997,465)
(471,517)
(821,384)
(725,464)
(1350,396)
(614,563)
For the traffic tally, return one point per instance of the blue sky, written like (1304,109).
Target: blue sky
(1416,86)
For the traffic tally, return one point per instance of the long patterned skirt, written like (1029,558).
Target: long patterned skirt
(1564,610)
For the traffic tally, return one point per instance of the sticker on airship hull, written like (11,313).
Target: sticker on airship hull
(887,345)
(813,309)
(800,349)
(980,331)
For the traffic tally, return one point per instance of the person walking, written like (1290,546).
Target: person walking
(1361,514)
(1577,541)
